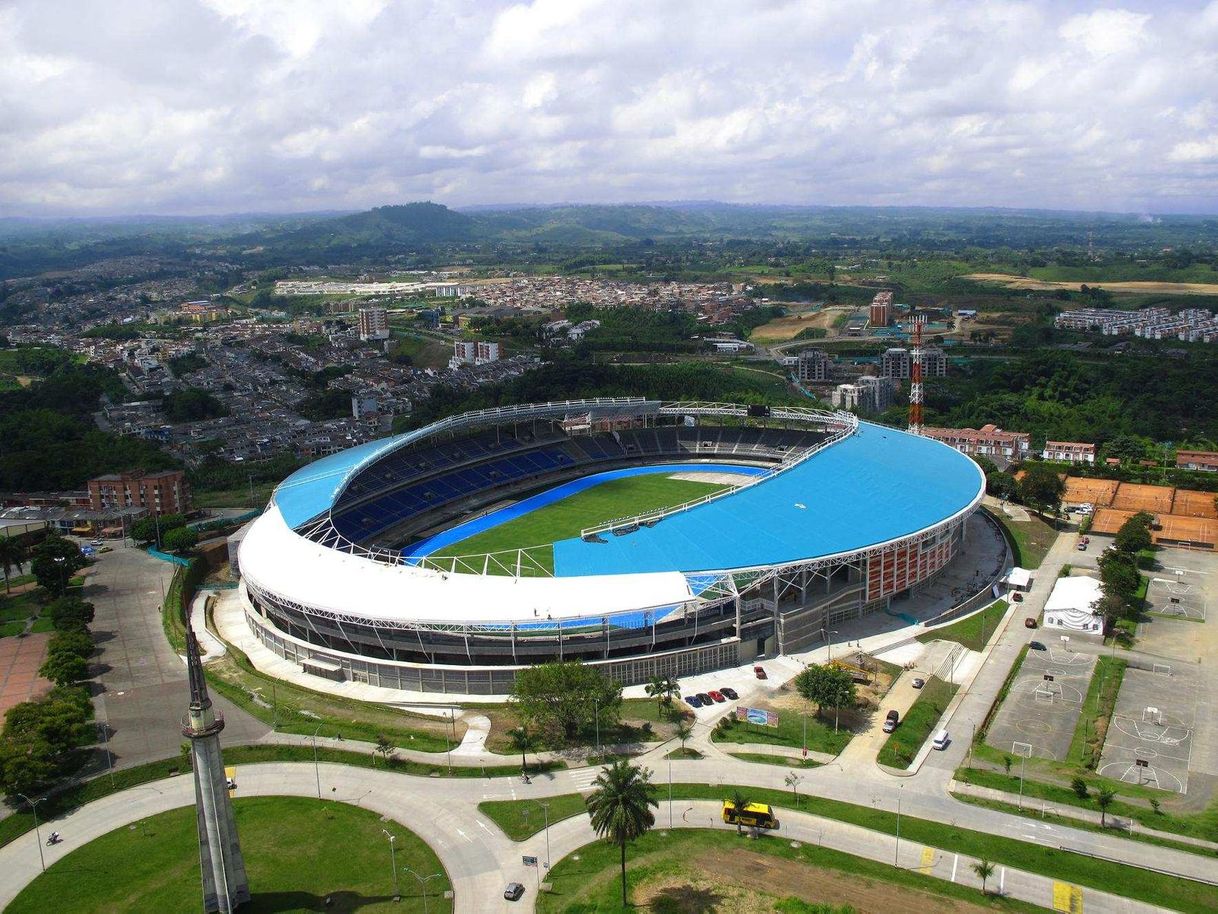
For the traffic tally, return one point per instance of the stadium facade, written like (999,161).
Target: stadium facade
(353,571)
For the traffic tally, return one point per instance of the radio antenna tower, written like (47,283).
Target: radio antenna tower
(915,377)
(225,887)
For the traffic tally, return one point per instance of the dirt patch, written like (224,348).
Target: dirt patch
(787,328)
(745,882)
(1142,286)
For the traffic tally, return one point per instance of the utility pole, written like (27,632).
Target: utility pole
(896,854)
(316,769)
(393,862)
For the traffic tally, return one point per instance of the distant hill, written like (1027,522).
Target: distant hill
(411,224)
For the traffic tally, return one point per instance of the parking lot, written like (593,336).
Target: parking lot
(1040,713)
(1150,738)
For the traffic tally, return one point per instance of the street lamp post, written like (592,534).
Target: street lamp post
(545,808)
(423,880)
(37,832)
(105,729)
(596,704)
(896,854)
(670,791)
(316,769)
(393,862)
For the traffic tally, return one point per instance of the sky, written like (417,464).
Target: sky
(230,106)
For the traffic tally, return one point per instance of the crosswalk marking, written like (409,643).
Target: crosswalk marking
(1067,898)
(584,777)
(928,861)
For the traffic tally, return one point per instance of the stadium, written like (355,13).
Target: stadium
(646,537)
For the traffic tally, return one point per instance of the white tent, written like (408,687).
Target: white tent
(1071,604)
(1018,579)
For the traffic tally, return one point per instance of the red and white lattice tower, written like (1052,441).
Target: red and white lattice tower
(915,377)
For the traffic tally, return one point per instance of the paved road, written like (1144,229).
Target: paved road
(141,687)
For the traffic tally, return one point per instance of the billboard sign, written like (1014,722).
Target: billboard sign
(757,716)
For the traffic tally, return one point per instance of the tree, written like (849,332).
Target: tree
(1042,487)
(180,539)
(523,741)
(740,801)
(71,641)
(145,529)
(1006,763)
(54,562)
(384,746)
(984,870)
(1079,786)
(683,732)
(65,669)
(792,780)
(12,555)
(68,613)
(1119,574)
(620,807)
(1001,485)
(565,697)
(1112,609)
(1134,535)
(1103,800)
(826,686)
(987,466)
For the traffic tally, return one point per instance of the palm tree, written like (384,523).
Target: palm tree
(1104,799)
(655,689)
(672,689)
(683,732)
(740,801)
(523,741)
(12,554)
(984,870)
(619,806)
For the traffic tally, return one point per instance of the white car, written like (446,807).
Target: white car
(96,543)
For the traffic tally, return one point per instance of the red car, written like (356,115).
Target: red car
(759,672)
(718,696)
(1029,622)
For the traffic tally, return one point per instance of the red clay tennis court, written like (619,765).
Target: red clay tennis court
(1132,496)
(1097,492)
(19,662)
(1192,503)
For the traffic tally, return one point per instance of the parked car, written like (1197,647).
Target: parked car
(919,682)
(941,740)
(1017,596)
(891,720)
(706,700)
(693,701)
(1082,547)
(1029,622)
(514,891)
(716,696)
(96,543)
(731,694)
(759,672)
(1036,646)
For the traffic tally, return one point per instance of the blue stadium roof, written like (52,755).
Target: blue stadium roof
(878,485)
(312,489)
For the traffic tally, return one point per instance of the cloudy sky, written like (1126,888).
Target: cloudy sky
(211,106)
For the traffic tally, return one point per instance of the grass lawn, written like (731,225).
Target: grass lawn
(17,608)
(566,518)
(1153,888)
(297,853)
(712,870)
(1032,538)
(974,631)
(235,498)
(904,742)
(1092,727)
(781,761)
(789,732)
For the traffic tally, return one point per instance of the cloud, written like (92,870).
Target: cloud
(196,106)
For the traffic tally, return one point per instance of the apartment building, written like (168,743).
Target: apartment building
(867,394)
(1197,460)
(1073,451)
(814,365)
(987,441)
(165,492)
(897,363)
(881,309)
(373,324)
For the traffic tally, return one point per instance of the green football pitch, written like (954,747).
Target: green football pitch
(566,518)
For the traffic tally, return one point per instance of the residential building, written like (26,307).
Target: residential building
(867,394)
(814,365)
(486,352)
(165,492)
(1197,460)
(1073,451)
(373,324)
(896,363)
(201,312)
(987,441)
(881,309)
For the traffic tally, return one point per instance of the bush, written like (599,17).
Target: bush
(69,613)
(180,539)
(39,738)
(1079,786)
(65,669)
(76,642)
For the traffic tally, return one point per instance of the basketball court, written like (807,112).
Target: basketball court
(1177,594)
(1150,739)
(1041,711)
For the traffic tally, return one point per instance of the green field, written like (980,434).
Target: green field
(298,852)
(565,519)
